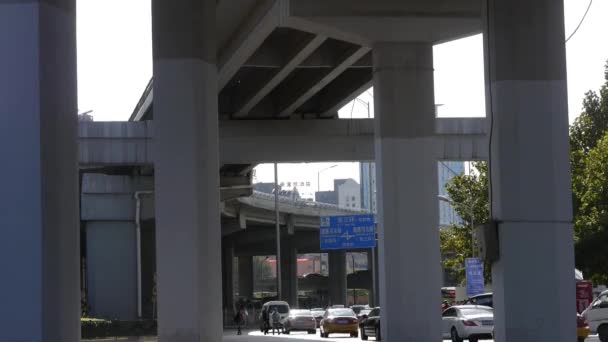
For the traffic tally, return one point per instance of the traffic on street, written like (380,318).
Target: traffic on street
(256,336)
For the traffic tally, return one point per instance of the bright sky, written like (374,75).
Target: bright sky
(115,64)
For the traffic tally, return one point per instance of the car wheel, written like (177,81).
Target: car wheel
(355,334)
(454,335)
(377,333)
(286,332)
(473,340)
(581,340)
(602,331)
(363,336)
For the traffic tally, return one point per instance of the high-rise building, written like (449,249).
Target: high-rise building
(346,194)
(368,185)
(446,171)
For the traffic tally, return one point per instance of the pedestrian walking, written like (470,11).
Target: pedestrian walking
(276,321)
(241,319)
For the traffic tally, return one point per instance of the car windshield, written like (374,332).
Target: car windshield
(356,309)
(341,312)
(282,309)
(300,313)
(476,311)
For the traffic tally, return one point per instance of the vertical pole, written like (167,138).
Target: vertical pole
(472,212)
(370,196)
(278,228)
(371,211)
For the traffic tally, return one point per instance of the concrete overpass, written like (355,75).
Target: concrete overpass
(118,228)
(297,61)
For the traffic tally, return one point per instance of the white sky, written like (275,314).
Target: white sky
(115,64)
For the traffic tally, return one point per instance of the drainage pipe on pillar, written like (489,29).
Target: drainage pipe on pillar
(138,244)
(278,229)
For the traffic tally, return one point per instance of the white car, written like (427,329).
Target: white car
(597,316)
(471,322)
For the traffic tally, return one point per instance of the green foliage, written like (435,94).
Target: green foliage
(589,163)
(469,195)
(96,328)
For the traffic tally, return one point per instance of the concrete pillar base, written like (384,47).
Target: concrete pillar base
(337,278)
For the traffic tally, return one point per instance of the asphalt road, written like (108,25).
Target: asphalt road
(256,336)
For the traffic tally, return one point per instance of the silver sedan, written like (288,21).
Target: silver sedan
(300,320)
(472,322)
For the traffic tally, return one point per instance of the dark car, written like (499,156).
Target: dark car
(318,313)
(363,314)
(357,308)
(482,299)
(370,327)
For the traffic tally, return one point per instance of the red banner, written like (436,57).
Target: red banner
(584,295)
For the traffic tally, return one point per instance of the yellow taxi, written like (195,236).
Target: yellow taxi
(339,321)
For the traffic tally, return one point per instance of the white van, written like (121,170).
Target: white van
(597,316)
(280,306)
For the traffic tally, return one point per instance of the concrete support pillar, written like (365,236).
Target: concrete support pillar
(373,267)
(337,277)
(406,171)
(228,277)
(289,270)
(530,185)
(246,276)
(186,171)
(39,248)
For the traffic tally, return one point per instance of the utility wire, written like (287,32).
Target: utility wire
(581,22)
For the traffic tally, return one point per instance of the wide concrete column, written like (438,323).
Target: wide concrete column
(289,270)
(406,171)
(530,183)
(246,276)
(39,248)
(186,171)
(337,277)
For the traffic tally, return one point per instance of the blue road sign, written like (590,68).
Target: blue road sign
(474,272)
(348,232)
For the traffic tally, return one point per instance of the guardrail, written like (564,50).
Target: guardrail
(305,203)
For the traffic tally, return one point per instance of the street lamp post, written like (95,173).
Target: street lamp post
(319,176)
(278,229)
(371,208)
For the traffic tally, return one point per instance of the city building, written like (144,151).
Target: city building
(346,194)
(368,181)
(447,170)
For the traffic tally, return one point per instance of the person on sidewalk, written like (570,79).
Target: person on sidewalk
(275,316)
(241,319)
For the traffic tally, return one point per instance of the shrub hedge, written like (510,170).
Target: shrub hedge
(95,328)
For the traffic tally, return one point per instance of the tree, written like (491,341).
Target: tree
(589,167)
(589,163)
(469,196)
(591,222)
